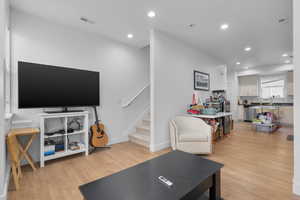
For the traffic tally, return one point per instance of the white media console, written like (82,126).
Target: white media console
(60,122)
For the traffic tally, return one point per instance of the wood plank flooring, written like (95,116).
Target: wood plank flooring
(258,166)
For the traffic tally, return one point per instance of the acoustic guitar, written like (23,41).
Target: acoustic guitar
(99,138)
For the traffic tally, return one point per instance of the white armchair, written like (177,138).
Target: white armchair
(191,135)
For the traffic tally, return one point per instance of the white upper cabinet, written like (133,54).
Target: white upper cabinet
(248,86)
(290,83)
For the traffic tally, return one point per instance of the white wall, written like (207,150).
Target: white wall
(233,92)
(265,70)
(4,23)
(2,144)
(219,78)
(124,70)
(171,71)
(297,97)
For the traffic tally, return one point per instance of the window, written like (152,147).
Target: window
(272,88)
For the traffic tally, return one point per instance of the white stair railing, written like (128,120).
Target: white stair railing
(130,101)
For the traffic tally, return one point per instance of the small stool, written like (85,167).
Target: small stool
(17,151)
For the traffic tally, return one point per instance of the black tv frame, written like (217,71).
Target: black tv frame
(64,108)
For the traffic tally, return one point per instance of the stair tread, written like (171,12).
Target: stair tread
(145,127)
(140,136)
(147,119)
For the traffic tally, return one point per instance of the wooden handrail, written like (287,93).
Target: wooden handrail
(133,98)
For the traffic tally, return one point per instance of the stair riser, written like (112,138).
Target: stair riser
(138,141)
(142,131)
(146,122)
(142,134)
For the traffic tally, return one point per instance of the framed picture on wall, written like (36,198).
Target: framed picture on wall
(201,81)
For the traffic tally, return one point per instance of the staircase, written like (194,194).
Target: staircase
(141,135)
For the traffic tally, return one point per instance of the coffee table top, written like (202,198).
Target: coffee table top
(141,182)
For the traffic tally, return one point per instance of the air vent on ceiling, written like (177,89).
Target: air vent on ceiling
(86,20)
(283,20)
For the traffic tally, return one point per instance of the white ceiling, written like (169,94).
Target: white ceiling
(252,22)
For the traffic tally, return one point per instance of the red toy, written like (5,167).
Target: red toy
(195,112)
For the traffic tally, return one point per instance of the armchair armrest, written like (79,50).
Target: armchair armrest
(173,134)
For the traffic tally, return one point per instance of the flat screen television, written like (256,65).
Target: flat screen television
(45,86)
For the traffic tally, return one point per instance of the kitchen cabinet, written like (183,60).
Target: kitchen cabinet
(290,83)
(286,115)
(241,112)
(248,86)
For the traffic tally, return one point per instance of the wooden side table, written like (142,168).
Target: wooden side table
(18,151)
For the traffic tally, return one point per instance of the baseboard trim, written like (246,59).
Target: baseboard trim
(296,186)
(3,194)
(160,146)
(118,140)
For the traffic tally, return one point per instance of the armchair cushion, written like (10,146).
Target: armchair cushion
(193,137)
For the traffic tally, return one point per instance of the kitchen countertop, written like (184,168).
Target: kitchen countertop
(218,115)
(265,107)
(267,104)
(274,104)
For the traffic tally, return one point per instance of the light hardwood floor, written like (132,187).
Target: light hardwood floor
(258,166)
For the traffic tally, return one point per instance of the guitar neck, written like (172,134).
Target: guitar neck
(96,115)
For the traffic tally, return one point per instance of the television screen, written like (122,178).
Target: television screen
(43,86)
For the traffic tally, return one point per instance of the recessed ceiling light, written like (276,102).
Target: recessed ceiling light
(151,14)
(285,55)
(287,61)
(130,36)
(247,49)
(224,26)
(238,63)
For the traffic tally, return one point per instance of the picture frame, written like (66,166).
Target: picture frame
(201,81)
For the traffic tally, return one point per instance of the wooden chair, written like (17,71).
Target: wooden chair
(17,151)
(14,158)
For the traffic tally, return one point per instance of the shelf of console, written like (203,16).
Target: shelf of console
(64,153)
(80,136)
(68,134)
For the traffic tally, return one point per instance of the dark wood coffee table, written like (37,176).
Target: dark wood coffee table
(191,176)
